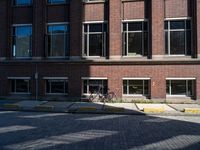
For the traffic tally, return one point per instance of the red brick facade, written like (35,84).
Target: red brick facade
(156,66)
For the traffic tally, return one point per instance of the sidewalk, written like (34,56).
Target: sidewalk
(107,108)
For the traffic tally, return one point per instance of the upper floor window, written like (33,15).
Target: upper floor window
(22,41)
(135,38)
(58,1)
(57,40)
(178,37)
(22,2)
(94,39)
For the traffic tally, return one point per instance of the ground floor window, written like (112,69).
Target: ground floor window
(20,86)
(136,87)
(94,85)
(56,86)
(180,87)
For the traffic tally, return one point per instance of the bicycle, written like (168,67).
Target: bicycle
(97,96)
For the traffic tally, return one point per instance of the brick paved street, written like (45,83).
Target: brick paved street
(57,131)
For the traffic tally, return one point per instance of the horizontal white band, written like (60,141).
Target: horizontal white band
(55,78)
(22,78)
(94,78)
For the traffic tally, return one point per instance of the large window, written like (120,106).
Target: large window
(57,40)
(20,86)
(180,87)
(22,41)
(57,86)
(58,1)
(94,85)
(95,39)
(22,2)
(135,38)
(178,37)
(136,87)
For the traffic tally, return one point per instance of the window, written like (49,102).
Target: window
(22,2)
(178,37)
(95,39)
(56,86)
(135,38)
(22,41)
(58,1)
(92,85)
(180,87)
(20,86)
(57,40)
(136,87)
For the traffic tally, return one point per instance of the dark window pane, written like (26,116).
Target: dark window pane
(57,1)
(13,86)
(168,87)
(188,38)
(124,43)
(177,42)
(146,87)
(135,87)
(135,26)
(145,26)
(146,44)
(125,87)
(57,45)
(166,42)
(22,86)
(178,87)
(188,24)
(95,44)
(177,24)
(57,87)
(166,25)
(190,88)
(95,27)
(124,26)
(135,43)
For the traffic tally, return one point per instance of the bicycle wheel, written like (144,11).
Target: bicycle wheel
(92,97)
(111,97)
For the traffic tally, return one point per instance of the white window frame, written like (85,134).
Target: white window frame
(65,48)
(20,78)
(141,31)
(104,34)
(136,95)
(91,78)
(182,79)
(168,30)
(64,79)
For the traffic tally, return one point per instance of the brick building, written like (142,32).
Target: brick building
(63,49)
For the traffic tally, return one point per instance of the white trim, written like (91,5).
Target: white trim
(167,95)
(180,18)
(21,25)
(180,78)
(23,78)
(136,78)
(55,78)
(56,23)
(93,22)
(94,78)
(134,20)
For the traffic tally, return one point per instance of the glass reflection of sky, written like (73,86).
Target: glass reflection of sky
(58,28)
(23,2)
(23,30)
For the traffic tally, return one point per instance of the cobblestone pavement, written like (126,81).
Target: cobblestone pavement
(60,131)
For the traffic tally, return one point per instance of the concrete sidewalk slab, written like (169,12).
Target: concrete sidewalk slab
(27,105)
(159,107)
(86,106)
(181,107)
(58,106)
(121,107)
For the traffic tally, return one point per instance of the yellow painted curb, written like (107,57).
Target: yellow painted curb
(11,106)
(87,108)
(154,110)
(192,110)
(44,108)
(118,109)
